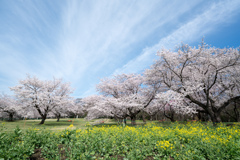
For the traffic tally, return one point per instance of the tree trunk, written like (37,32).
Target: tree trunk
(10,117)
(172,119)
(171,116)
(199,116)
(151,117)
(133,120)
(144,118)
(43,119)
(218,117)
(236,111)
(215,117)
(58,117)
(125,121)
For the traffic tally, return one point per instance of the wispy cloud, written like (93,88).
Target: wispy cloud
(83,41)
(217,14)
(98,37)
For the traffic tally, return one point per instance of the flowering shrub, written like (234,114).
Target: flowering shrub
(179,141)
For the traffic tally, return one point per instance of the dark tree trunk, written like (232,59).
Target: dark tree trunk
(124,121)
(236,111)
(144,118)
(215,117)
(199,116)
(43,119)
(133,120)
(171,115)
(202,115)
(43,115)
(172,119)
(58,117)
(10,117)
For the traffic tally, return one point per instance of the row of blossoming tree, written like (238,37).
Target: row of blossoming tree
(186,81)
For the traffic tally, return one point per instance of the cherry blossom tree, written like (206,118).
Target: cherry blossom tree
(173,103)
(58,112)
(153,109)
(128,94)
(76,108)
(96,106)
(42,95)
(67,102)
(206,76)
(9,106)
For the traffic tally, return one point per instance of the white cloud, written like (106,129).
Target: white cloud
(83,41)
(217,14)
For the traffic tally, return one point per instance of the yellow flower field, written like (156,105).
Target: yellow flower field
(178,141)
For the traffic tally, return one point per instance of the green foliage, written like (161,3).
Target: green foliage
(15,146)
(177,141)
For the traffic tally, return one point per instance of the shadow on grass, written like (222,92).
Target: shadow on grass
(10,121)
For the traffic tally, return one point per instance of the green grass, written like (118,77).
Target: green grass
(50,124)
(53,125)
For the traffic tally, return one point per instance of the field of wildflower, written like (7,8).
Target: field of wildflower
(193,140)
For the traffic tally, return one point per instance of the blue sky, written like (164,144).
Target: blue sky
(84,41)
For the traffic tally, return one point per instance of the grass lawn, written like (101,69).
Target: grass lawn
(53,125)
(50,124)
